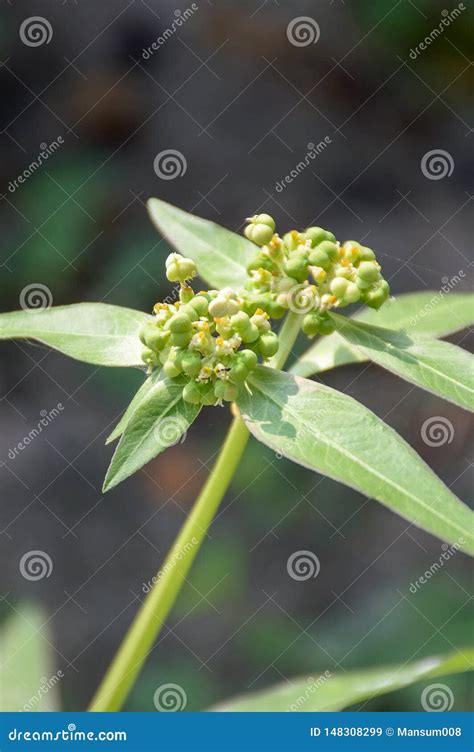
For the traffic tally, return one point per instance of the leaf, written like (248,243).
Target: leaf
(27,667)
(159,422)
(329,432)
(221,256)
(97,333)
(427,314)
(438,367)
(136,401)
(332,692)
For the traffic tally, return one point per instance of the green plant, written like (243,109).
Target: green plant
(218,345)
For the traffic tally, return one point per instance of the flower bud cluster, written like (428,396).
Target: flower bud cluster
(210,338)
(310,273)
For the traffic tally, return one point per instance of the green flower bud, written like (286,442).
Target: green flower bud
(260,262)
(297,268)
(178,268)
(310,325)
(265,219)
(363,285)
(171,369)
(218,307)
(181,339)
(249,358)
(366,254)
(291,240)
(331,248)
(326,326)
(319,257)
(149,357)
(368,271)
(251,334)
(179,323)
(260,234)
(376,298)
(207,393)
(275,310)
(200,304)
(191,363)
(157,339)
(240,321)
(239,372)
(318,235)
(268,344)
(191,393)
(186,293)
(338,287)
(189,311)
(352,294)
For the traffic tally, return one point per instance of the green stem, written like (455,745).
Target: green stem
(144,630)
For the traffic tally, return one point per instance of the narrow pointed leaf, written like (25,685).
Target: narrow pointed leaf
(426,314)
(132,406)
(438,367)
(98,333)
(221,256)
(325,692)
(329,432)
(160,421)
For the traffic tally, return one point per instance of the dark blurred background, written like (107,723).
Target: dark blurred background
(239,101)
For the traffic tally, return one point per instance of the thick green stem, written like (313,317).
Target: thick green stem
(144,630)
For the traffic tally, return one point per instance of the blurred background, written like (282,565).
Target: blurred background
(213,118)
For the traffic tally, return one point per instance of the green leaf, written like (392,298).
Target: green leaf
(97,333)
(333,692)
(28,672)
(438,367)
(221,256)
(136,401)
(329,432)
(158,422)
(427,314)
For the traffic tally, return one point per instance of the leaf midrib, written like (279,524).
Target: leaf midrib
(363,466)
